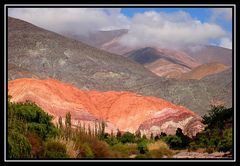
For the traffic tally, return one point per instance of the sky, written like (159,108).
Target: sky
(161,27)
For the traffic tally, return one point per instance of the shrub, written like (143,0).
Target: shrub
(127,137)
(43,130)
(18,145)
(157,145)
(36,144)
(99,148)
(142,147)
(71,148)
(174,142)
(55,149)
(160,153)
(111,141)
(124,150)
(31,113)
(212,140)
(226,143)
(85,151)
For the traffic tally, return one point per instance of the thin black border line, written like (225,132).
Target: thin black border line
(233,7)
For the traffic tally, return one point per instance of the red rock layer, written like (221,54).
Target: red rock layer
(125,111)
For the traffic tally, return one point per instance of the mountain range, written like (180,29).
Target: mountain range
(161,61)
(37,53)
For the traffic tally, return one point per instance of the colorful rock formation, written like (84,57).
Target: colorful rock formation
(125,111)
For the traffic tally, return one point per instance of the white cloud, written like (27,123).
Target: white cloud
(177,29)
(150,28)
(221,13)
(226,43)
(78,20)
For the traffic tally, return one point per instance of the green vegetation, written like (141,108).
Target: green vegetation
(127,137)
(217,136)
(142,147)
(55,150)
(31,134)
(29,129)
(178,141)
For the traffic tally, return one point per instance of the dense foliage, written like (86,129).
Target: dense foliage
(217,136)
(29,127)
(218,117)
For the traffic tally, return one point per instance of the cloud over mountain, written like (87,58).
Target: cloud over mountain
(170,29)
(173,29)
(79,20)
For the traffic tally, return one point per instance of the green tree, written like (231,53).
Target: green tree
(151,137)
(102,126)
(185,139)
(60,122)
(138,134)
(68,120)
(127,137)
(68,125)
(89,130)
(119,134)
(217,116)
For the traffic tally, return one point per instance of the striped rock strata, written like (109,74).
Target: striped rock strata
(125,111)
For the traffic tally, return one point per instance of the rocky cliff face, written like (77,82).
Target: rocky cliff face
(125,111)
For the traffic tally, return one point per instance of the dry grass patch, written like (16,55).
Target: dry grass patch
(157,145)
(71,150)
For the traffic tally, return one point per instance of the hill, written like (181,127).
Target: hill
(163,62)
(211,54)
(204,70)
(121,110)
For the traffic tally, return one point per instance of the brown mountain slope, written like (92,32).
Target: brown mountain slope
(163,62)
(164,68)
(121,110)
(204,70)
(35,52)
(211,54)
